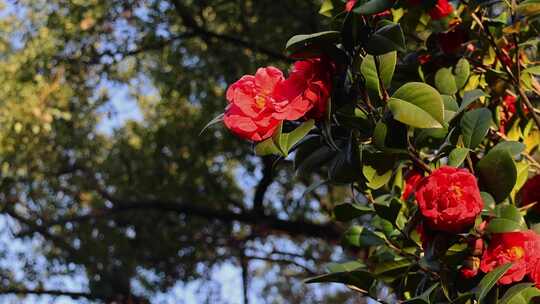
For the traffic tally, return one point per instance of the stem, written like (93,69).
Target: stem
(515,80)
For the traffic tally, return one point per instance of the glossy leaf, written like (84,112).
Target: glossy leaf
(309,42)
(445,81)
(359,236)
(522,293)
(386,39)
(514,148)
(347,211)
(475,126)
(462,72)
(344,267)
(373,7)
(470,97)
(457,156)
(489,280)
(501,225)
(418,105)
(498,174)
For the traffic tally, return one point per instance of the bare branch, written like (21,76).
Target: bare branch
(44,292)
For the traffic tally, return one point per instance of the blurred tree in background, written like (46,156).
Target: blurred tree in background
(150,203)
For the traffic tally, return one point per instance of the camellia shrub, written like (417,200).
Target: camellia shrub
(426,109)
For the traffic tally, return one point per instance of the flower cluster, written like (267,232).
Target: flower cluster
(423,156)
(449,201)
(259,103)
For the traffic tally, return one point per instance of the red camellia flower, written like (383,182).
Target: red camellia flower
(349,5)
(449,199)
(532,258)
(535,273)
(307,90)
(530,192)
(515,247)
(412,178)
(250,113)
(442,9)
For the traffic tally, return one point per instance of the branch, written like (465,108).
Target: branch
(515,79)
(43,292)
(282,261)
(264,183)
(264,223)
(191,23)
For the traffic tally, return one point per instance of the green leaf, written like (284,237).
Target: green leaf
(391,269)
(359,278)
(369,71)
(489,280)
(501,225)
(445,81)
(307,160)
(299,133)
(418,105)
(451,107)
(358,236)
(412,115)
(347,211)
(344,267)
(463,298)
(280,139)
(522,168)
(522,293)
(281,143)
(475,126)
(374,179)
(512,213)
(529,8)
(386,39)
(267,147)
(535,70)
(514,148)
(450,103)
(377,169)
(379,135)
(457,156)
(388,210)
(387,67)
(470,97)
(498,174)
(373,7)
(462,72)
(312,42)
(489,201)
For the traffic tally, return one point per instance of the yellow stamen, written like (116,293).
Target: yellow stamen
(516,252)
